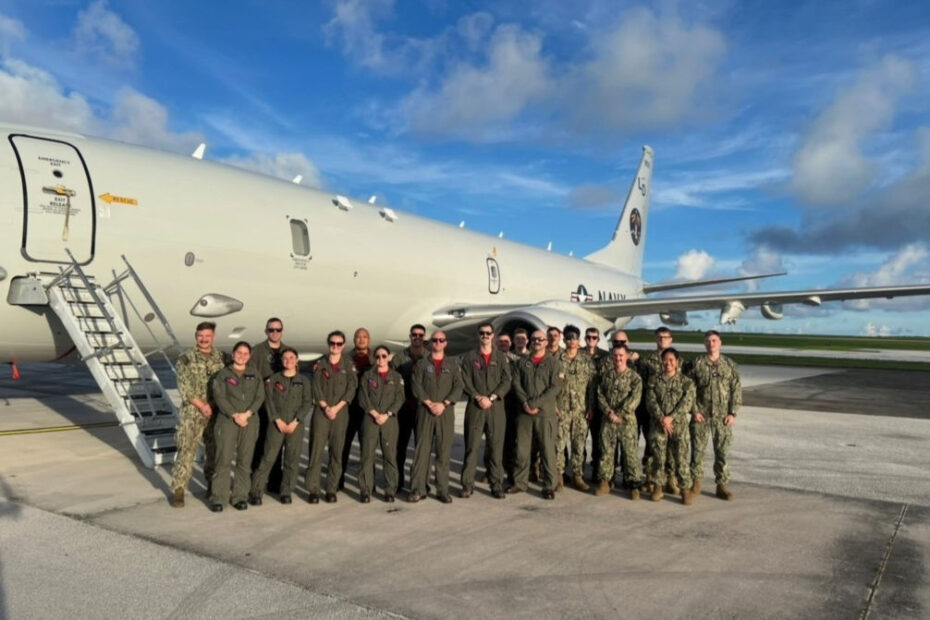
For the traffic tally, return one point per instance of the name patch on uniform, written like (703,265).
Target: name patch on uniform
(373,383)
(478,364)
(279,386)
(326,373)
(232,381)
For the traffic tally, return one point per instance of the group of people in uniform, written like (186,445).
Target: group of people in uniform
(531,404)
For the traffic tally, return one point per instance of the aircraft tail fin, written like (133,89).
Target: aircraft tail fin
(625,249)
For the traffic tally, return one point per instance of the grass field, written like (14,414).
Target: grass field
(791,341)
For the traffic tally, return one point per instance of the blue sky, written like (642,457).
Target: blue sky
(787,135)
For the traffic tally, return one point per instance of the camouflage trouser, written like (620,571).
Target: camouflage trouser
(722,436)
(192,428)
(573,431)
(627,434)
(678,445)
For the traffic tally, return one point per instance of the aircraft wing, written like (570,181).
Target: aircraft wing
(731,306)
(669,286)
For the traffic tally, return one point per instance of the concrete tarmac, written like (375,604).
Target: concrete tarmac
(829,520)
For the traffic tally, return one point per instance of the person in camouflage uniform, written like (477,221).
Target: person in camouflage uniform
(719,396)
(648,366)
(591,337)
(669,400)
(195,368)
(575,404)
(619,392)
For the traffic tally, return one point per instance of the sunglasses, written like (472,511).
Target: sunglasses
(592,337)
(416,335)
(333,343)
(484,333)
(618,343)
(274,330)
(537,339)
(437,339)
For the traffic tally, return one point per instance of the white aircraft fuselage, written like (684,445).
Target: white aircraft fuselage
(192,228)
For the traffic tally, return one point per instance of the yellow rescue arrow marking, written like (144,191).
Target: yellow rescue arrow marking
(108,197)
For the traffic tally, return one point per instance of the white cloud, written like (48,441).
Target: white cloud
(280,165)
(139,119)
(31,96)
(909,265)
(829,167)
(477,102)
(645,73)
(708,190)
(761,260)
(11,31)
(694,265)
(104,35)
(353,26)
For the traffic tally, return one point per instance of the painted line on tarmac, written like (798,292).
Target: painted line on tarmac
(56,429)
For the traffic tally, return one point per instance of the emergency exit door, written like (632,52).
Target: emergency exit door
(58,200)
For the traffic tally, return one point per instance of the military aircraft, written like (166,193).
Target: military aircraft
(210,241)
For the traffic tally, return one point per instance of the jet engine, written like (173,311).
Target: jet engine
(772,311)
(731,312)
(678,317)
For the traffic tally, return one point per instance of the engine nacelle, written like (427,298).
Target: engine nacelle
(540,317)
(731,312)
(772,311)
(678,317)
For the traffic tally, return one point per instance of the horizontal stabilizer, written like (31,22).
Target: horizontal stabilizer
(671,286)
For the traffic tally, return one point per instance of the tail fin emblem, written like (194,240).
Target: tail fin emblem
(636,226)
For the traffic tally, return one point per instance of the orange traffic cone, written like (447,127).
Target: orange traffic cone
(15,371)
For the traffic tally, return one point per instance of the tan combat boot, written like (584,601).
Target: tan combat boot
(723,492)
(177,498)
(671,487)
(696,487)
(602,489)
(558,484)
(686,497)
(579,484)
(656,492)
(634,494)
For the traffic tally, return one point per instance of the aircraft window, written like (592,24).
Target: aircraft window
(494,277)
(300,238)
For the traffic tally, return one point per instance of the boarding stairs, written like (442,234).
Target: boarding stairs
(131,387)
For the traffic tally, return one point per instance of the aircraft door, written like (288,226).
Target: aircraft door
(58,200)
(494,277)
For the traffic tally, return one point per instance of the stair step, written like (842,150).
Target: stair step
(137,388)
(78,295)
(99,339)
(97,325)
(121,371)
(115,356)
(84,310)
